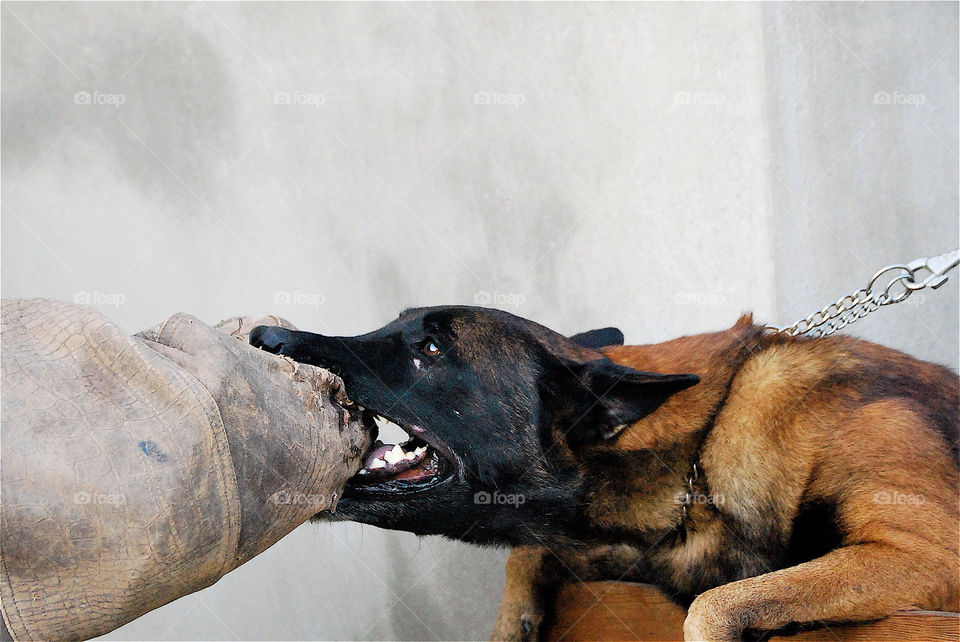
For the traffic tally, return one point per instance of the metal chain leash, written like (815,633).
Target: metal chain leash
(916,275)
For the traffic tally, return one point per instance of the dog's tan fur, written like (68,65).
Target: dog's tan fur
(776,424)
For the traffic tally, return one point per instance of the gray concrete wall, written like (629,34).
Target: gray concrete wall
(862,106)
(662,167)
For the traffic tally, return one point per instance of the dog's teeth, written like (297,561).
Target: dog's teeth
(377,463)
(419,451)
(409,456)
(394,455)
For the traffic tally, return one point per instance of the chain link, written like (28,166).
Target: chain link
(908,279)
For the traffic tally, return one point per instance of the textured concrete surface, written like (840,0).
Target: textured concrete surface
(662,167)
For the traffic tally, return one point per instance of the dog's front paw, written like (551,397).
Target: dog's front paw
(516,627)
(707,622)
(695,630)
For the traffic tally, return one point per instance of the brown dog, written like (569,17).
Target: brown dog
(800,481)
(841,449)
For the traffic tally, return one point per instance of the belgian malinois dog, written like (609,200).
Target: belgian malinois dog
(762,481)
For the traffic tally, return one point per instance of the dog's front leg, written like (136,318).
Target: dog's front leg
(530,580)
(857,582)
(535,574)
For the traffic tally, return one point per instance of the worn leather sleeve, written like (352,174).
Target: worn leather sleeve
(135,470)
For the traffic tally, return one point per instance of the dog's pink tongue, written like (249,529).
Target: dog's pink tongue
(377,452)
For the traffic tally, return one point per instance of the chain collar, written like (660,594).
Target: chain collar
(688,499)
(689,491)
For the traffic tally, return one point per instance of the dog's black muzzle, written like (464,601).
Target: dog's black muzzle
(365,362)
(342,355)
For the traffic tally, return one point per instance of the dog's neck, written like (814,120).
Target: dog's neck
(649,464)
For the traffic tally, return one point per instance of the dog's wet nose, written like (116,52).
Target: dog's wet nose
(269,337)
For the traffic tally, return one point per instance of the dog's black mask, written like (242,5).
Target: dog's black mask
(496,408)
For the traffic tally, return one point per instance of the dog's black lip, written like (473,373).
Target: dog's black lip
(359,492)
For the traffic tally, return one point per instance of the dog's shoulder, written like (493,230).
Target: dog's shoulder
(715,357)
(747,369)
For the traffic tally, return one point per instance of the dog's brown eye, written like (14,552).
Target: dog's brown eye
(430,348)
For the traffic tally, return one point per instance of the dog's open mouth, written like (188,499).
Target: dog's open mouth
(411,461)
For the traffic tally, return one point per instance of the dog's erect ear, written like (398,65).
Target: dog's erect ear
(595,339)
(610,397)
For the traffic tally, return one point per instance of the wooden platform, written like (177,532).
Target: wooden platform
(624,611)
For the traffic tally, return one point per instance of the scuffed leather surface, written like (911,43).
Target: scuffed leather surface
(135,470)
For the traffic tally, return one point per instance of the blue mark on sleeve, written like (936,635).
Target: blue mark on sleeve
(152,450)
